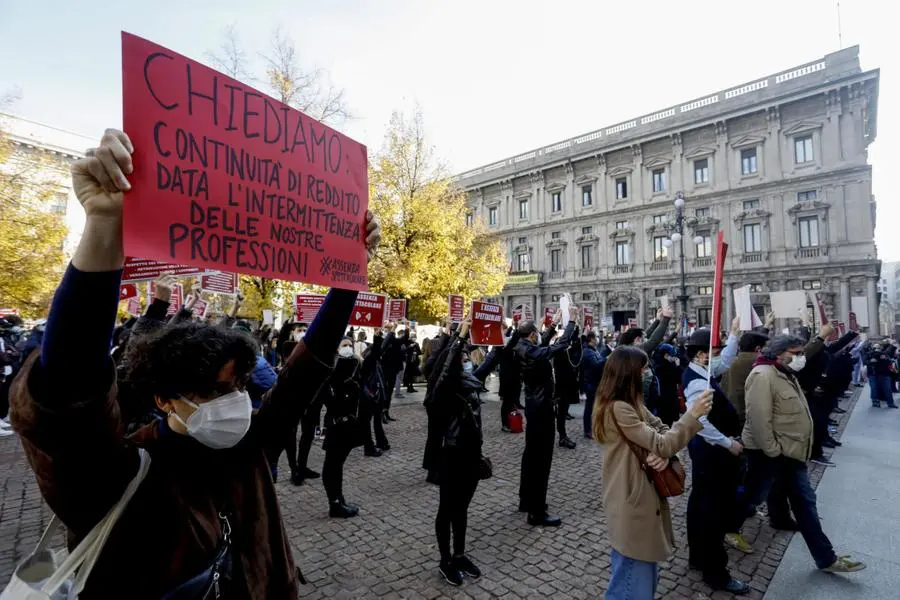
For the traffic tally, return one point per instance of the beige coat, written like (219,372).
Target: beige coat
(778,417)
(638,519)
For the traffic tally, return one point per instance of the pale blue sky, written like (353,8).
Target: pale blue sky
(493,77)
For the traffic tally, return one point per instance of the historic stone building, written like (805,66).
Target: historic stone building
(779,164)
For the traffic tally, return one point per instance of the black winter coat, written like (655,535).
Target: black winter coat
(537,370)
(510,373)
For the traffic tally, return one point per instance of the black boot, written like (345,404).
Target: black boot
(432,477)
(308,473)
(565,442)
(373,451)
(297,478)
(339,510)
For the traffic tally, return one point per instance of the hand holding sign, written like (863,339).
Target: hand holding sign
(826,331)
(163,288)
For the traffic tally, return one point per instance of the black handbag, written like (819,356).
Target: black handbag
(212,583)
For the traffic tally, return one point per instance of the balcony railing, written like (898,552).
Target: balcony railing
(704,261)
(620,269)
(752,257)
(556,274)
(814,252)
(660,265)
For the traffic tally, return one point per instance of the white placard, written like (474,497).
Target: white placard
(564,304)
(664,302)
(860,305)
(744,309)
(268,317)
(789,305)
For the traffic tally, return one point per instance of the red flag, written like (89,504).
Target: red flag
(721,251)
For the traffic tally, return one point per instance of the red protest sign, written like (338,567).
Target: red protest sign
(548,316)
(457,308)
(588,318)
(632,323)
(199,309)
(141,269)
(133,307)
(127,290)
(307,306)
(721,251)
(487,324)
(854,325)
(396,310)
(517,314)
(229,179)
(835,335)
(219,283)
(369,310)
(842,328)
(175,302)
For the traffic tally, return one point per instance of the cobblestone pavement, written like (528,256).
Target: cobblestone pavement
(389,551)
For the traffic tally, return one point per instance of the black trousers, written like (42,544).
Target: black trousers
(390,382)
(371,417)
(336,453)
(458,476)
(507,405)
(308,424)
(820,408)
(537,459)
(563,402)
(434,439)
(712,506)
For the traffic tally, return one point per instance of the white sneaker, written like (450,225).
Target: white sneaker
(6,432)
(4,425)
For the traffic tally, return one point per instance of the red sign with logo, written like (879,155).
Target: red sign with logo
(307,307)
(588,318)
(842,328)
(133,307)
(632,323)
(369,310)
(487,324)
(127,290)
(457,308)
(229,179)
(549,313)
(139,269)
(219,283)
(854,326)
(200,307)
(396,310)
(837,327)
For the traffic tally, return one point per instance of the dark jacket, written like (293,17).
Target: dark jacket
(734,380)
(457,404)
(374,391)
(73,438)
(565,370)
(393,357)
(537,370)
(510,374)
(592,363)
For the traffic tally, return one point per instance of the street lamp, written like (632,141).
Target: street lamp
(677,237)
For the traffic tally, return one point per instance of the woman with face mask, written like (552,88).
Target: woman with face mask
(206,517)
(455,409)
(343,427)
(638,518)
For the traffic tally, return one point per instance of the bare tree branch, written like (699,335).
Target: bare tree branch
(231,58)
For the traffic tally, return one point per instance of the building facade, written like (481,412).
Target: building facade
(778,164)
(44,155)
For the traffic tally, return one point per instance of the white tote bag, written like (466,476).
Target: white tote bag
(54,575)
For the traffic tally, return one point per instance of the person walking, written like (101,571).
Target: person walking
(778,441)
(534,355)
(638,518)
(455,406)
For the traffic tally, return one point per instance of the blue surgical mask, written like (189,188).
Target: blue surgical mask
(467,366)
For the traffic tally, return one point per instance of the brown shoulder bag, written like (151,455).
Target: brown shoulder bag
(670,481)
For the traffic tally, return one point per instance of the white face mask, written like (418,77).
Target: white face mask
(467,366)
(797,363)
(345,352)
(298,335)
(221,422)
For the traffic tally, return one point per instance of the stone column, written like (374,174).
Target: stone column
(602,307)
(844,314)
(729,308)
(642,308)
(872,299)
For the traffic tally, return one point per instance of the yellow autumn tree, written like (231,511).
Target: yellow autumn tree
(427,251)
(31,237)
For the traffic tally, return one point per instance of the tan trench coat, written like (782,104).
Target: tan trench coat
(639,522)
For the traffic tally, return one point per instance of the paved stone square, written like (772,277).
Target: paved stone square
(389,550)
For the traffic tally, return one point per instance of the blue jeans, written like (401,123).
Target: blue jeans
(791,479)
(631,579)
(880,389)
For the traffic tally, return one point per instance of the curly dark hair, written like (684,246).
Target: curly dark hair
(185,360)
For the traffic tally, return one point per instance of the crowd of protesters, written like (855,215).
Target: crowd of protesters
(212,405)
